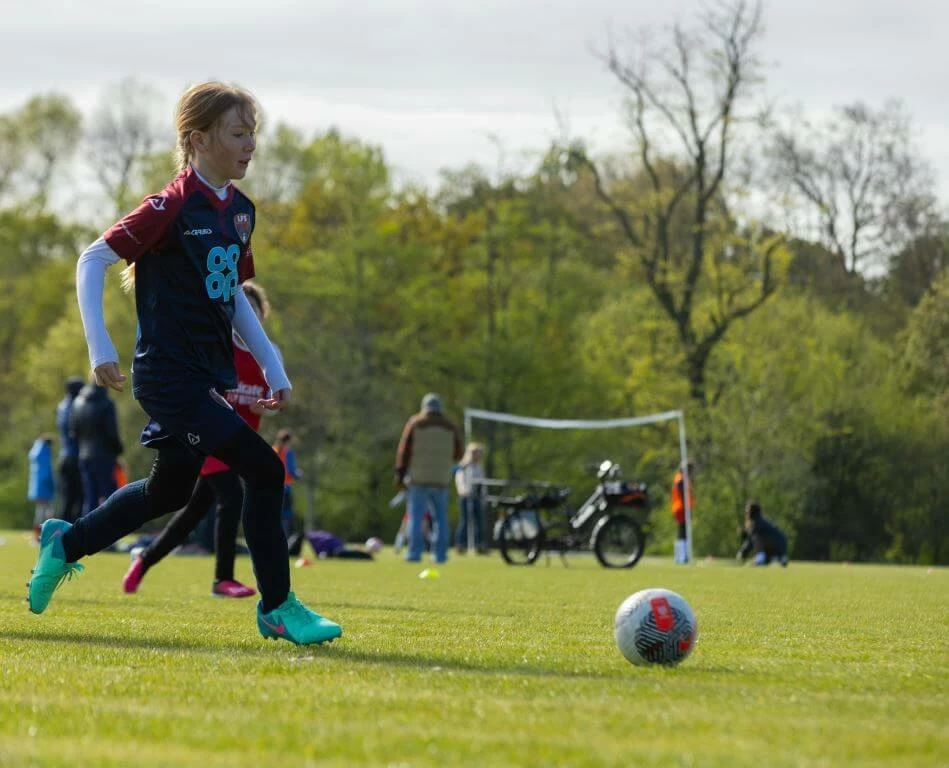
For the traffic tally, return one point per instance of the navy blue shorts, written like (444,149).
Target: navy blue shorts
(197,416)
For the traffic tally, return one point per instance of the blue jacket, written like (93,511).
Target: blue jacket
(42,487)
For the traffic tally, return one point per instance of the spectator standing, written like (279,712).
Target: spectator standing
(429,446)
(42,488)
(467,478)
(94,426)
(681,547)
(70,478)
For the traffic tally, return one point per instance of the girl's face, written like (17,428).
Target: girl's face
(224,152)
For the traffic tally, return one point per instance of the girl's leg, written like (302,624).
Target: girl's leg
(167,488)
(229,493)
(180,526)
(248,454)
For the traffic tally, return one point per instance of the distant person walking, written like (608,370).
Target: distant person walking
(70,478)
(679,491)
(429,446)
(95,428)
(42,488)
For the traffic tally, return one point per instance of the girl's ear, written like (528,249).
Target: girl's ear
(199,141)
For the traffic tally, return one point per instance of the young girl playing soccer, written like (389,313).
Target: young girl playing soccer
(218,484)
(190,245)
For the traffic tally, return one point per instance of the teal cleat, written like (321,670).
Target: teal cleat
(293,621)
(51,567)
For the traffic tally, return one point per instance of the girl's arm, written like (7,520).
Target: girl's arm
(248,327)
(90,286)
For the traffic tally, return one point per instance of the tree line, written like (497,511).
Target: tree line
(780,281)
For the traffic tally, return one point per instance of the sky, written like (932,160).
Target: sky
(441,84)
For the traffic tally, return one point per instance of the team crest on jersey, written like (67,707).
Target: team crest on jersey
(243,226)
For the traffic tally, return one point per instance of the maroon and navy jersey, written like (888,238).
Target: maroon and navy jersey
(191,251)
(251,387)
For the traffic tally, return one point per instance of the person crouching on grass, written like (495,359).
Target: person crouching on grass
(191,248)
(761,536)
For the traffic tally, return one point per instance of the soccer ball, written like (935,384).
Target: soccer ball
(374,544)
(655,626)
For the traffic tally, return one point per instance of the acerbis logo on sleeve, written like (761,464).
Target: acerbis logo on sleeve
(157,202)
(197,232)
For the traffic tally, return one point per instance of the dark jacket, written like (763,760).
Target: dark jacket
(67,443)
(92,423)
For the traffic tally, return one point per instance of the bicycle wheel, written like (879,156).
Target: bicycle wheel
(521,538)
(617,541)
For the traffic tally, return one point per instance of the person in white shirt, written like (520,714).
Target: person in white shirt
(469,497)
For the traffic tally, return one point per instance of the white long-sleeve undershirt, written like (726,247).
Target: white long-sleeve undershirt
(248,327)
(90,287)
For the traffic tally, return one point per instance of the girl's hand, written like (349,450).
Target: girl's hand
(109,375)
(279,401)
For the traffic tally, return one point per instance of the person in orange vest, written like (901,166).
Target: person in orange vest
(284,449)
(681,547)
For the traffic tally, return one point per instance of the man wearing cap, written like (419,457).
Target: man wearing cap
(429,448)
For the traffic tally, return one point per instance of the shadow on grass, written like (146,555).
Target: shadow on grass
(411,608)
(340,653)
(132,643)
(439,664)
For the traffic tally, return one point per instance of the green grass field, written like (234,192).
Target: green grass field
(488,665)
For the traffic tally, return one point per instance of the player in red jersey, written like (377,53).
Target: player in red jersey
(218,484)
(191,249)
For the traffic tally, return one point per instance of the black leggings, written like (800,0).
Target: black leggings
(226,491)
(170,486)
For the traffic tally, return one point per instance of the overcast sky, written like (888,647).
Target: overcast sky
(432,80)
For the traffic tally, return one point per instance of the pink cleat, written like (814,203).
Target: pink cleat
(231,589)
(134,576)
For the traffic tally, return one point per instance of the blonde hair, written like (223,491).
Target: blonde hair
(200,109)
(468,458)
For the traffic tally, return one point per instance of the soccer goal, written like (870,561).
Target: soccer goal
(473,414)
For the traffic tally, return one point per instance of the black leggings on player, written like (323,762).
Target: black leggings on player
(226,491)
(169,487)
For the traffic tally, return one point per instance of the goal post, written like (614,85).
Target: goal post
(654,418)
